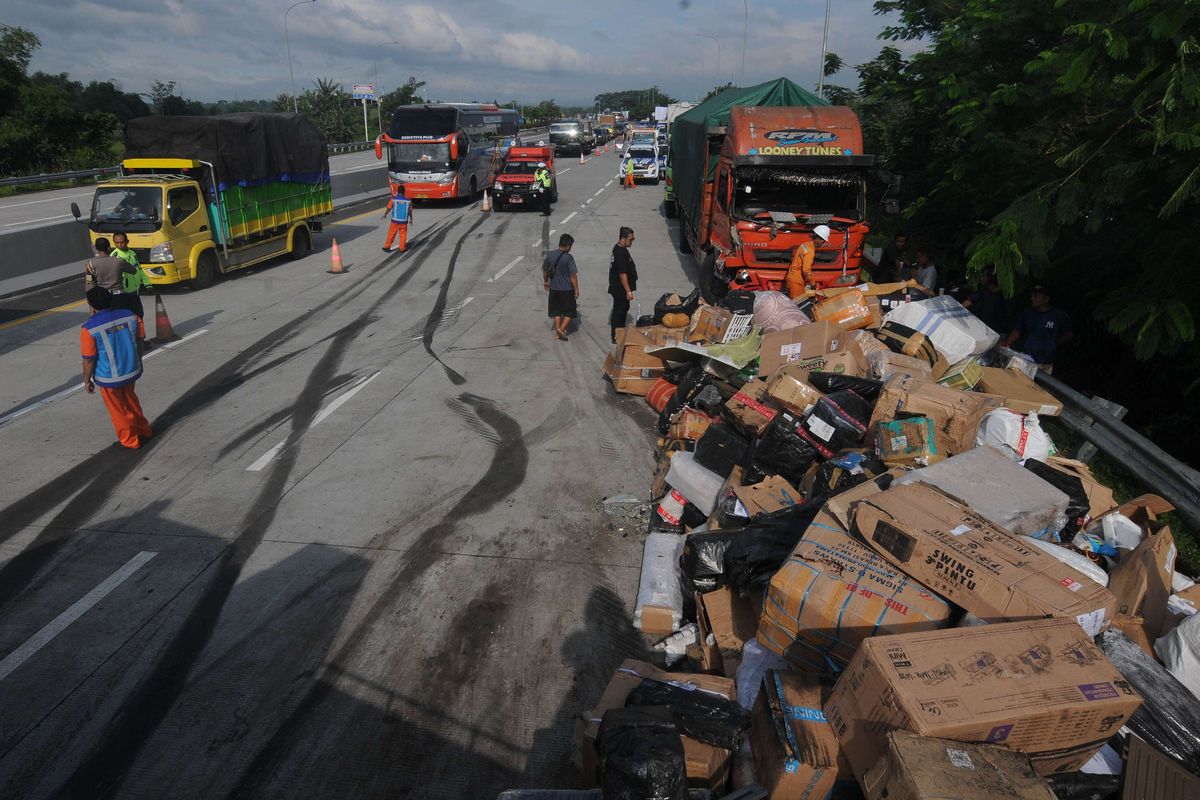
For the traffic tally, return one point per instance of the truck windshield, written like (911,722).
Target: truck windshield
(127,208)
(799,191)
(419,155)
(520,168)
(565,127)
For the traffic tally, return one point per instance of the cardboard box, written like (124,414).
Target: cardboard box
(963,375)
(796,755)
(647,336)
(1100,497)
(752,407)
(709,325)
(883,364)
(1151,775)
(876,313)
(1041,687)
(974,563)
(955,414)
(1142,580)
(731,621)
(790,386)
(848,309)
(925,768)
(690,424)
(772,493)
(832,593)
(633,379)
(1018,392)
(803,343)
(707,766)
(907,442)
(839,506)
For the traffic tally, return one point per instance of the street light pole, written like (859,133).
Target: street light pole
(718,41)
(288,42)
(745,26)
(824,49)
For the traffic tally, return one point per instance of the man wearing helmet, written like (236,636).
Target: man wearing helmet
(542,176)
(799,274)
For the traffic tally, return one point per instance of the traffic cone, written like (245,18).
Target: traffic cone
(162,323)
(486,205)
(336,265)
(581,161)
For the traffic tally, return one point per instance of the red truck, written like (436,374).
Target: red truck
(515,184)
(752,181)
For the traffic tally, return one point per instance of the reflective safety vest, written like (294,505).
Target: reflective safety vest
(131,281)
(542,176)
(114,331)
(401,209)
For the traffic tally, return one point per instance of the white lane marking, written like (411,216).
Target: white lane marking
(589,200)
(47,200)
(77,609)
(552,231)
(380,165)
(31,221)
(610,183)
(564,171)
(569,216)
(266,458)
(171,345)
(600,190)
(509,266)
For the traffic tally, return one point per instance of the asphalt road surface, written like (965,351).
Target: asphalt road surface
(364,554)
(36,209)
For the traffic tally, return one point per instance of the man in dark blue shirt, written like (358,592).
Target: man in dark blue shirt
(1040,329)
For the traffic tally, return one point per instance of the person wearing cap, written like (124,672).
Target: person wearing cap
(1040,330)
(399,210)
(799,274)
(542,176)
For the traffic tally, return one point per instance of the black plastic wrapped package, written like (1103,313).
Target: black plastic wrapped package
(765,543)
(838,421)
(844,471)
(1084,786)
(721,448)
(684,305)
(688,383)
(782,450)
(702,562)
(702,715)
(829,382)
(641,755)
(1078,509)
(1169,717)
(708,400)
(739,301)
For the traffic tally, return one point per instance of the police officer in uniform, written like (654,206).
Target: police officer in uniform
(542,176)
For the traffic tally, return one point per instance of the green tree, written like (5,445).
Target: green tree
(405,94)
(639,102)
(716,90)
(331,109)
(17,46)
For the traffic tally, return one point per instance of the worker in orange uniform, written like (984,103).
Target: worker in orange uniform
(629,183)
(399,210)
(112,360)
(799,274)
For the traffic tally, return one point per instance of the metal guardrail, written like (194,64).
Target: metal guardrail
(1167,475)
(58,176)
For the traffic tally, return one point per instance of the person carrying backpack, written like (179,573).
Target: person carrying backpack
(560,277)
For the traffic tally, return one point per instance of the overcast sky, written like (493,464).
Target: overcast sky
(464,49)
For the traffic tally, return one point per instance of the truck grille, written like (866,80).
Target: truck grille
(771,256)
(143,254)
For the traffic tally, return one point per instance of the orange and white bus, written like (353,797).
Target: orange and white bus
(445,150)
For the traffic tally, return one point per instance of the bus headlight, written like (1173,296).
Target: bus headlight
(162,253)
(445,179)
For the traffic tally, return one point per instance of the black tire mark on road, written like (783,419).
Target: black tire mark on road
(102,772)
(504,475)
(439,306)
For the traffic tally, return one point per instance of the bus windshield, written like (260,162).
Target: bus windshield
(421,155)
(127,208)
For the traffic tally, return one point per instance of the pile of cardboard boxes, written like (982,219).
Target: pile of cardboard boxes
(933,630)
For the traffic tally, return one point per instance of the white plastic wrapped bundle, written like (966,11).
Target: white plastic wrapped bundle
(1180,651)
(659,586)
(698,484)
(1019,436)
(956,333)
(1072,558)
(775,311)
(756,660)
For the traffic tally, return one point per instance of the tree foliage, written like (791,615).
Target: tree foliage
(639,103)
(405,94)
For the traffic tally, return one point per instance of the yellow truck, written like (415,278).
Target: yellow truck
(199,196)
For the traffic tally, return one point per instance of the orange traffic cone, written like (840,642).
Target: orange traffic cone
(162,323)
(336,267)
(486,205)
(581,161)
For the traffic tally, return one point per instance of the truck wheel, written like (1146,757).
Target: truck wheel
(669,209)
(684,247)
(301,244)
(206,270)
(554,194)
(474,190)
(712,288)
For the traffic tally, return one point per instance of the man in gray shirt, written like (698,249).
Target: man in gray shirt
(105,271)
(926,272)
(560,277)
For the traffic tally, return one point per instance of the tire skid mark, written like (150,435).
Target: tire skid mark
(439,306)
(504,475)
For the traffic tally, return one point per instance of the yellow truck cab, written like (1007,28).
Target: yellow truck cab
(190,218)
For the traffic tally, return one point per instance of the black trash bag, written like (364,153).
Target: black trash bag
(683,305)
(844,471)
(739,301)
(704,716)
(727,509)
(646,320)
(838,421)
(693,517)
(1084,786)
(641,755)
(702,562)
(782,451)
(721,448)
(765,543)
(688,384)
(829,382)
(1169,717)
(1078,509)
(708,400)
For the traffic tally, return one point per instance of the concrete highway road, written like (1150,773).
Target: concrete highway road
(35,209)
(365,553)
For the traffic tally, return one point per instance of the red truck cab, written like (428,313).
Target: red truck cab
(781,172)
(515,184)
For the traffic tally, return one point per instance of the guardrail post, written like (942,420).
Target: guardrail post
(1087,451)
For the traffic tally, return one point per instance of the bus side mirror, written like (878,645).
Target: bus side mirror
(454,149)
(75,211)
(378,147)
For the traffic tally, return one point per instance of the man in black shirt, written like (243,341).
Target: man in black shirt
(622,279)
(893,261)
(988,303)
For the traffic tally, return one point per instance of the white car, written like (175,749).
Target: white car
(643,159)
